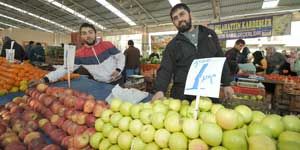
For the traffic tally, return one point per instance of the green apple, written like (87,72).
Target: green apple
(245,111)
(145,115)
(151,146)
(175,105)
(104,144)
(197,144)
(157,120)
(160,107)
(135,111)
(257,116)
(125,139)
(147,106)
(205,104)
(190,128)
(147,133)
(115,104)
(135,127)
(99,124)
(215,108)
(114,147)
(211,134)
(166,102)
(124,123)
(183,110)
(137,143)
(107,127)
(209,117)
(125,108)
(115,118)
(172,112)
(105,116)
(113,135)
(185,102)
(161,138)
(173,123)
(95,140)
(178,141)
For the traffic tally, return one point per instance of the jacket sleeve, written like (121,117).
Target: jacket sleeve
(165,71)
(226,77)
(53,76)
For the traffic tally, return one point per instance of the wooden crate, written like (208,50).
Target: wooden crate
(264,106)
(295,103)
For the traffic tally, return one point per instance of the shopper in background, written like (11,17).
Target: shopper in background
(100,58)
(191,42)
(153,55)
(19,51)
(233,56)
(296,66)
(244,56)
(37,53)
(275,60)
(259,62)
(132,55)
(28,48)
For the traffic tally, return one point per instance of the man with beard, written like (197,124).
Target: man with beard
(191,42)
(102,60)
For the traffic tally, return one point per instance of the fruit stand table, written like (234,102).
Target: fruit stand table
(99,90)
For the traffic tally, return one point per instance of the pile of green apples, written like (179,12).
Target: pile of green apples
(170,125)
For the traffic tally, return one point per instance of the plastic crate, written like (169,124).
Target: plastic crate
(250,91)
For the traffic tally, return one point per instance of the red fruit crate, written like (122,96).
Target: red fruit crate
(251,91)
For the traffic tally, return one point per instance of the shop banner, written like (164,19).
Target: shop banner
(253,27)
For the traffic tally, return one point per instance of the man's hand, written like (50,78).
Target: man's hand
(228,92)
(116,75)
(34,83)
(158,95)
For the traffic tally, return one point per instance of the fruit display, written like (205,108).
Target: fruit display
(281,78)
(66,116)
(15,77)
(169,124)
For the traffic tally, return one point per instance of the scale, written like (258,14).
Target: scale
(249,82)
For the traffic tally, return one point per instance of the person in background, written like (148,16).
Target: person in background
(19,51)
(28,48)
(291,60)
(101,59)
(153,55)
(244,55)
(259,62)
(233,56)
(191,42)
(296,66)
(37,53)
(275,60)
(132,59)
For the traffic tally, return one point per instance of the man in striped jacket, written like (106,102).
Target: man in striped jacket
(100,58)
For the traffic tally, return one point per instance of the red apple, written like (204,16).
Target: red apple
(2,129)
(37,143)
(42,96)
(98,109)
(83,96)
(72,129)
(89,105)
(61,111)
(68,92)
(51,147)
(57,135)
(48,100)
(30,115)
(48,113)
(18,100)
(66,125)
(79,103)
(15,146)
(32,124)
(65,141)
(68,113)
(90,131)
(42,87)
(80,129)
(42,122)
(90,97)
(90,120)
(70,101)
(74,116)
(55,107)
(81,118)
(30,136)
(54,119)
(81,140)
(23,133)
(18,125)
(48,127)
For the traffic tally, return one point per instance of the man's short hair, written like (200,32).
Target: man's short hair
(130,42)
(240,41)
(38,43)
(31,42)
(87,25)
(179,6)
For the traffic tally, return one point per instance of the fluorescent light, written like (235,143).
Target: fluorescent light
(29,24)
(36,16)
(116,12)
(8,25)
(270,4)
(174,2)
(77,14)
